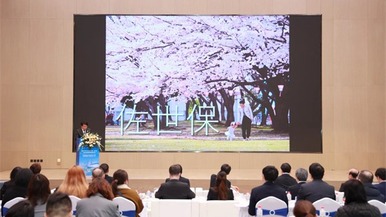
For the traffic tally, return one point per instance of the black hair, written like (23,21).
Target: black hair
(174,169)
(316,170)
(354,191)
(381,173)
(226,168)
(23,177)
(242,101)
(270,173)
(58,204)
(83,123)
(285,168)
(104,167)
(13,173)
(23,208)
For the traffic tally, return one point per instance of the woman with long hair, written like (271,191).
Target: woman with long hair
(9,183)
(355,204)
(220,191)
(99,201)
(121,188)
(74,183)
(38,192)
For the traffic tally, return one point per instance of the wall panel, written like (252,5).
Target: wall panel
(36,76)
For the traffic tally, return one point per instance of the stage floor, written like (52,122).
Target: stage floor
(146,179)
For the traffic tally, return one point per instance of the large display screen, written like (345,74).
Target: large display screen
(224,83)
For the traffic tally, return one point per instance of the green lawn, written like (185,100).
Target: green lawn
(189,145)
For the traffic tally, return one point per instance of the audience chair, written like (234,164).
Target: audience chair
(219,208)
(10,203)
(381,206)
(74,201)
(172,208)
(126,207)
(329,205)
(272,207)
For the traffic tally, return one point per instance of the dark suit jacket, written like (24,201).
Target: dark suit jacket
(77,135)
(263,191)
(182,179)
(13,192)
(174,189)
(294,189)
(382,188)
(372,193)
(316,190)
(213,195)
(285,181)
(213,178)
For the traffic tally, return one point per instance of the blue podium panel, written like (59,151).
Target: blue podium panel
(88,159)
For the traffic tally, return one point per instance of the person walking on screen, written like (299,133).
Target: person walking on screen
(245,119)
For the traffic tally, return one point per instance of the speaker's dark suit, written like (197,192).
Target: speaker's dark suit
(182,179)
(285,181)
(382,188)
(263,191)
(174,189)
(294,189)
(316,190)
(77,135)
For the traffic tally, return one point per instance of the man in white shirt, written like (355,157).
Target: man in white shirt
(245,119)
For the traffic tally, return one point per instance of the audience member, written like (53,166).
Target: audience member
(97,173)
(301,175)
(285,180)
(372,193)
(22,179)
(174,189)
(352,174)
(99,201)
(35,168)
(304,208)
(121,188)
(227,169)
(220,191)
(356,203)
(270,174)
(9,183)
(380,174)
(182,179)
(317,188)
(105,167)
(74,183)
(58,205)
(23,208)
(38,192)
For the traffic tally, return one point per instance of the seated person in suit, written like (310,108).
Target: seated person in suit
(372,193)
(174,189)
(317,188)
(301,175)
(285,180)
(352,174)
(356,202)
(99,201)
(105,168)
(270,174)
(224,168)
(182,179)
(221,190)
(380,174)
(58,205)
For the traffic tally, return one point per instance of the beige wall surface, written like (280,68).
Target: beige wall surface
(36,75)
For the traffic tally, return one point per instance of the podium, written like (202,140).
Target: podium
(87,158)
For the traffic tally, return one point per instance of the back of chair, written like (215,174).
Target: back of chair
(126,207)
(9,204)
(171,208)
(272,206)
(329,205)
(381,206)
(74,202)
(219,208)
